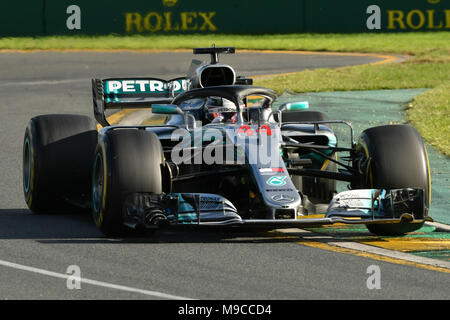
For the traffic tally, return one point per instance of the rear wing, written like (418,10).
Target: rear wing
(133,93)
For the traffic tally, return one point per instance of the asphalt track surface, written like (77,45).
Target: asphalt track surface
(36,250)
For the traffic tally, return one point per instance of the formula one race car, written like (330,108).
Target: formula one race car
(223,157)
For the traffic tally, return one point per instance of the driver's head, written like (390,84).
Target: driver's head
(220,107)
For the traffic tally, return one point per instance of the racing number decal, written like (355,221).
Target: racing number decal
(249,131)
(246,129)
(265,128)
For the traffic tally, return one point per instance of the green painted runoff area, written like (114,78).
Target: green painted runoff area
(366,109)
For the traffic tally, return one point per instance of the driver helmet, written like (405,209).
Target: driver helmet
(217,107)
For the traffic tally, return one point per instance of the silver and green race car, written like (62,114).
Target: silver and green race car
(224,157)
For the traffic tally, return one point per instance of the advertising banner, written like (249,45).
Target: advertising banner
(100,17)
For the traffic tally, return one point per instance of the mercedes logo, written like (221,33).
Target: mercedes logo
(282,198)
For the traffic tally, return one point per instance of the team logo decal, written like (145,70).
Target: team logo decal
(282,198)
(277,181)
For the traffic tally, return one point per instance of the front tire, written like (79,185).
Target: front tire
(126,161)
(397,158)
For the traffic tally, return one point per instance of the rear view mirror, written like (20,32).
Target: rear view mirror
(166,109)
(294,106)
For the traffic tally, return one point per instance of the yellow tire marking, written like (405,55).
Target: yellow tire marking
(112,119)
(429,175)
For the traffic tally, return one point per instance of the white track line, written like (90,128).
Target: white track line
(155,294)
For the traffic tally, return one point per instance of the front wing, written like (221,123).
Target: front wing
(365,206)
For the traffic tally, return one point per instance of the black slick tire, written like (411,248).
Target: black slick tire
(398,159)
(126,161)
(57,159)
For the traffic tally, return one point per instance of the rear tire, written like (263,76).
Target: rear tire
(57,156)
(398,159)
(126,161)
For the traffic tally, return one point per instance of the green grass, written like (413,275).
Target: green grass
(403,43)
(430,114)
(366,77)
(428,67)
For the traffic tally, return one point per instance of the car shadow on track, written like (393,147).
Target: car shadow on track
(79,228)
(23,224)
